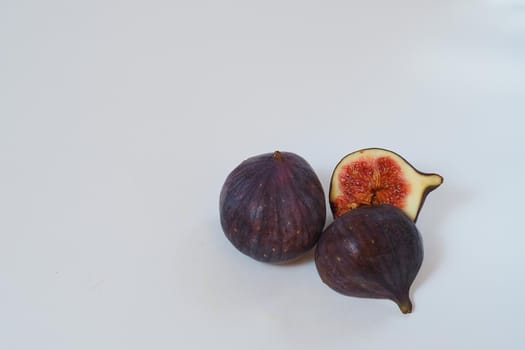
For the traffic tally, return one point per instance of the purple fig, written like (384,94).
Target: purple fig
(371,252)
(272,207)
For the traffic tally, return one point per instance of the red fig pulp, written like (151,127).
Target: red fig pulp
(377,176)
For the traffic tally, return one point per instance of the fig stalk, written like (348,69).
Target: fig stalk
(404,303)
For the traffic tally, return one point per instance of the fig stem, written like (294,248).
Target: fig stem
(433,180)
(406,308)
(277,155)
(404,303)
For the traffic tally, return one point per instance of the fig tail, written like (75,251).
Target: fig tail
(404,303)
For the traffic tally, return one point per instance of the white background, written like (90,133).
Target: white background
(120,120)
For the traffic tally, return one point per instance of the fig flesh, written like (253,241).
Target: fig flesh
(272,207)
(371,252)
(376,176)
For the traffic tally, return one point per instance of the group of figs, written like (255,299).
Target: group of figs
(272,208)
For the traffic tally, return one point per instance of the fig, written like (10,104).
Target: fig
(272,207)
(371,252)
(376,176)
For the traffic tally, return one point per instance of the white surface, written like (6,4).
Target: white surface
(119,121)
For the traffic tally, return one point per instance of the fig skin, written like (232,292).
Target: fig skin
(376,176)
(371,252)
(272,207)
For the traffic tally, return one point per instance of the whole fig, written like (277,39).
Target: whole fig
(371,252)
(272,207)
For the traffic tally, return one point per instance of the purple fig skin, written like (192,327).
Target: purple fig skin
(272,207)
(371,252)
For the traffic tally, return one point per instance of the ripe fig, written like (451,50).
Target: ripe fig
(272,207)
(377,176)
(371,252)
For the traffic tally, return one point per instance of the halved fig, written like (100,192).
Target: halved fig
(375,176)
